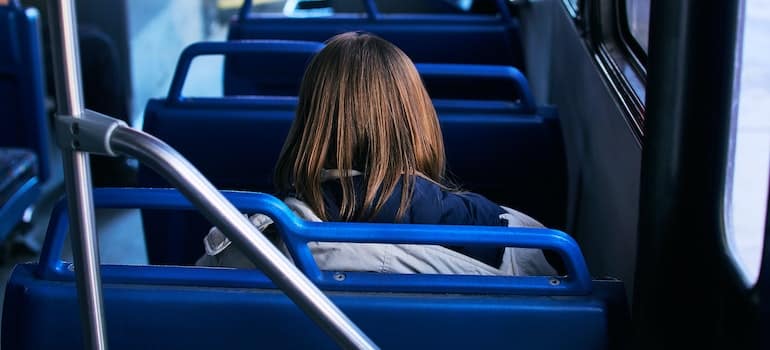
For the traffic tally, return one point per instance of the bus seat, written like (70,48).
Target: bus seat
(463,38)
(477,83)
(24,145)
(275,67)
(235,142)
(251,130)
(174,307)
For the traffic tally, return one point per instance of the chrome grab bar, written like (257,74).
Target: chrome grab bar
(77,173)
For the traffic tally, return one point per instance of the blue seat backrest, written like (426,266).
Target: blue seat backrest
(275,67)
(267,67)
(426,38)
(203,308)
(24,145)
(477,82)
(22,92)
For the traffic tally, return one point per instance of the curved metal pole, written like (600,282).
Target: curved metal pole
(77,174)
(182,175)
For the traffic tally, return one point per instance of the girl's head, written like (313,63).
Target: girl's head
(363,107)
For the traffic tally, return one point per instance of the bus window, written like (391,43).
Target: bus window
(226,9)
(638,21)
(159,32)
(572,6)
(747,176)
(204,78)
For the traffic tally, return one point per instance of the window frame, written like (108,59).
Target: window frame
(733,249)
(631,43)
(619,59)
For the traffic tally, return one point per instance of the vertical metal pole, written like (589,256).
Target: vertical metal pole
(77,173)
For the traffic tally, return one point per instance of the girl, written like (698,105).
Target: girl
(366,146)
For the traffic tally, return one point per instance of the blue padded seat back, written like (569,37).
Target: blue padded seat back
(43,314)
(22,96)
(439,39)
(276,69)
(476,82)
(248,134)
(24,132)
(516,160)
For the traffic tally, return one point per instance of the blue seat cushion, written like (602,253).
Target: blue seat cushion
(17,166)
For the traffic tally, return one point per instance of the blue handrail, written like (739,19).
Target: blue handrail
(224,48)
(480,71)
(297,233)
(427,70)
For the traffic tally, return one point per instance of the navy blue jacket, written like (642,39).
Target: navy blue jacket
(430,204)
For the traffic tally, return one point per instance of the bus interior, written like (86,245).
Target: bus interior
(132,127)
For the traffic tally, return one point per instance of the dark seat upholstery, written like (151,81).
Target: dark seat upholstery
(24,144)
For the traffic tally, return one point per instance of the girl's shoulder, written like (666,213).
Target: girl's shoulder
(435,204)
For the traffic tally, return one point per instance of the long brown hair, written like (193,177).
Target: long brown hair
(362,106)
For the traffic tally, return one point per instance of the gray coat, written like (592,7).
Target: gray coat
(386,258)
